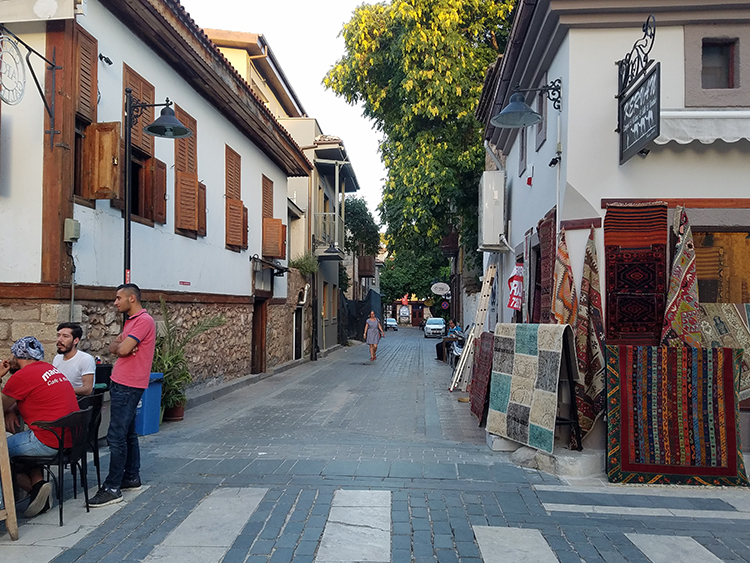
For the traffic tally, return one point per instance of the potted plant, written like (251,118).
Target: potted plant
(170,360)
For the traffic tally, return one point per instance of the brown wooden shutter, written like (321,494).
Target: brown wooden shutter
(283,242)
(160,191)
(233,174)
(102,178)
(87,93)
(201,209)
(143,92)
(244,227)
(267,198)
(234,223)
(272,237)
(146,196)
(186,201)
(186,150)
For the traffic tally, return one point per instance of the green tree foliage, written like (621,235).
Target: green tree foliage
(414,272)
(361,228)
(417,67)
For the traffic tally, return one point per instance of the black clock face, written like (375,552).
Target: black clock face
(12,73)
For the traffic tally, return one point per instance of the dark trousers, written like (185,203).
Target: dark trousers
(124,453)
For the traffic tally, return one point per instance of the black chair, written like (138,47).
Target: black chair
(95,402)
(76,425)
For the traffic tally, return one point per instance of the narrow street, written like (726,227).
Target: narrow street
(351,460)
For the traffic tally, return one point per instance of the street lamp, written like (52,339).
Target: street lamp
(519,114)
(167,126)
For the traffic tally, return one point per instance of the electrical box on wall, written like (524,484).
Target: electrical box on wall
(492,212)
(71,230)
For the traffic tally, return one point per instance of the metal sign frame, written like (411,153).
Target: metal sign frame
(639,114)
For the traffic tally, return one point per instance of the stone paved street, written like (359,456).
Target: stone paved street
(351,460)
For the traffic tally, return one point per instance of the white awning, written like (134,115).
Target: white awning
(706,126)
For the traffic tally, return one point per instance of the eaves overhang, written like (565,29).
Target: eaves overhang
(326,159)
(171,33)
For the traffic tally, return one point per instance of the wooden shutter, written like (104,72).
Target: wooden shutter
(201,209)
(267,198)
(186,150)
(244,227)
(143,92)
(87,53)
(233,174)
(234,223)
(283,242)
(186,201)
(273,237)
(160,191)
(102,176)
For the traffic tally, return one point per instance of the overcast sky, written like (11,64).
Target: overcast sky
(304,38)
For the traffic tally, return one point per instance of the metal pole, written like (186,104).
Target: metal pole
(337,210)
(128,180)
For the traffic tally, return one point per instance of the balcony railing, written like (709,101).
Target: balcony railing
(329,229)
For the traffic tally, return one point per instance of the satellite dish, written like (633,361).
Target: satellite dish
(440,288)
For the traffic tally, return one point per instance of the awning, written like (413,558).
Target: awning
(706,126)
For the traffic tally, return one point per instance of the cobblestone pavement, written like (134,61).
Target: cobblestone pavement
(350,460)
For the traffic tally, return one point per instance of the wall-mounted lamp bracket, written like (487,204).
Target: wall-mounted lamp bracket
(552,89)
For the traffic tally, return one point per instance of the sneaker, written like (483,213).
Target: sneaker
(39,496)
(131,484)
(105,497)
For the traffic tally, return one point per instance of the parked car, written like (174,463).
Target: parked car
(390,323)
(434,327)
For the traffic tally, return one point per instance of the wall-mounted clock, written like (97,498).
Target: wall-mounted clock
(12,72)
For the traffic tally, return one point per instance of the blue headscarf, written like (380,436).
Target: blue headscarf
(28,348)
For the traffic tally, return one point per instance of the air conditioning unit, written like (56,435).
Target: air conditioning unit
(492,212)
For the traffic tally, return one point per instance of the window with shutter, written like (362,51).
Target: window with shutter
(234,210)
(86,54)
(233,174)
(273,238)
(267,198)
(201,209)
(160,191)
(186,201)
(190,209)
(144,93)
(101,173)
(244,227)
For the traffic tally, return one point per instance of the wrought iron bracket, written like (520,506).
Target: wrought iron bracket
(136,107)
(51,66)
(636,62)
(552,89)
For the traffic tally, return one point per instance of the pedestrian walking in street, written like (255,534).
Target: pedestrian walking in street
(134,349)
(373,333)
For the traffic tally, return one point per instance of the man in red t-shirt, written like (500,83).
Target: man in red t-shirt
(134,349)
(37,391)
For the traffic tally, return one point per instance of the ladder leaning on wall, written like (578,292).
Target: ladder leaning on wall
(462,375)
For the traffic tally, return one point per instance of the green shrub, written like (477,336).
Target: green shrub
(306,263)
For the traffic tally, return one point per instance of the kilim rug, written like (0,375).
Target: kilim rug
(635,243)
(480,378)
(673,416)
(722,326)
(523,388)
(564,299)
(682,316)
(590,383)
(547,252)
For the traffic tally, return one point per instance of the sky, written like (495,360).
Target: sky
(304,37)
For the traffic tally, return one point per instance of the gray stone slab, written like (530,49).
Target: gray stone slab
(668,549)
(500,545)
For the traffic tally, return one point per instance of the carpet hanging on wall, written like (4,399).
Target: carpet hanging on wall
(722,326)
(682,315)
(547,253)
(635,243)
(673,417)
(564,298)
(590,384)
(480,378)
(523,389)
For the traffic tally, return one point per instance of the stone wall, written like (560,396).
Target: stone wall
(280,327)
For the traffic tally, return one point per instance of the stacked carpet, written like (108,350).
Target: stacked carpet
(722,326)
(547,256)
(672,415)
(481,372)
(635,242)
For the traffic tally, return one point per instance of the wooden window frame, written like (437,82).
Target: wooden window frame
(235,232)
(187,185)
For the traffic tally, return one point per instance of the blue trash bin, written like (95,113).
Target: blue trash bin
(149,407)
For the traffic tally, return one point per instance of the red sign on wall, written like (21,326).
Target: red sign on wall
(515,285)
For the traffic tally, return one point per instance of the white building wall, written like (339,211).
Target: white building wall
(161,259)
(21,153)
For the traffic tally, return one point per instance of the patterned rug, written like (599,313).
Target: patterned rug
(681,315)
(480,378)
(673,416)
(713,283)
(635,243)
(564,299)
(547,254)
(590,384)
(523,389)
(722,326)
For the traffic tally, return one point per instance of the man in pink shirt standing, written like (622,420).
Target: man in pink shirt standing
(134,349)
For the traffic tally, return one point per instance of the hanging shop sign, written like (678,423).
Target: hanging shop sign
(639,96)
(440,288)
(515,285)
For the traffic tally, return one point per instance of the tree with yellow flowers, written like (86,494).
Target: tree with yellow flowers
(417,67)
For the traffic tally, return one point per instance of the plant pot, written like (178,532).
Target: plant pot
(174,414)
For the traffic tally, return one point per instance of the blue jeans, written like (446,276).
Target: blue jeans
(27,444)
(124,454)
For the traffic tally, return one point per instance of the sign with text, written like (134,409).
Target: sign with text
(515,285)
(639,114)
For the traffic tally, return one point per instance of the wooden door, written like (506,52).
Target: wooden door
(260,319)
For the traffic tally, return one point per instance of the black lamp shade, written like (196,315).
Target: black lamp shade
(167,126)
(516,114)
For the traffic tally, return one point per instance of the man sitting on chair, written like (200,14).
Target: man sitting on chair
(77,366)
(38,392)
